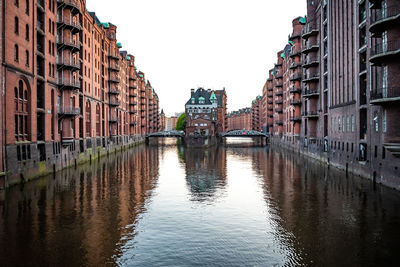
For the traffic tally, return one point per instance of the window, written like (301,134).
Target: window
(384,81)
(27,32)
(16,25)
(376,121)
(16,53)
(49,25)
(27,7)
(16,3)
(352,124)
(27,58)
(384,126)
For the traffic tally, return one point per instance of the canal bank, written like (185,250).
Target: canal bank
(61,157)
(344,158)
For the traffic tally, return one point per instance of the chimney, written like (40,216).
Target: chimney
(209,90)
(191,92)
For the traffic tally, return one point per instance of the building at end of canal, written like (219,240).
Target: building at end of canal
(206,112)
(69,91)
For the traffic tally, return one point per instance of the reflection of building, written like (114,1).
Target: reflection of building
(96,201)
(205,172)
(68,87)
(240,119)
(206,112)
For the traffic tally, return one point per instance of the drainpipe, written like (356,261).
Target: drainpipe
(3,91)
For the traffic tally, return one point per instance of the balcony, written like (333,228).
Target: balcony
(381,19)
(295,65)
(295,77)
(132,87)
(384,96)
(279,122)
(295,118)
(40,27)
(311,114)
(73,5)
(113,119)
(385,52)
(132,78)
(132,95)
(67,22)
(295,102)
(68,84)
(294,36)
(311,62)
(68,63)
(270,102)
(279,93)
(309,30)
(114,102)
(279,101)
(311,93)
(68,43)
(68,111)
(294,52)
(375,4)
(132,123)
(294,90)
(114,79)
(279,84)
(40,4)
(114,56)
(279,110)
(113,91)
(310,48)
(278,76)
(270,89)
(113,67)
(311,78)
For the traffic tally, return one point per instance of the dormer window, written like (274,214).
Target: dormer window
(192,100)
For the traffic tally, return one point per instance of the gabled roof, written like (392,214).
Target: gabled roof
(198,95)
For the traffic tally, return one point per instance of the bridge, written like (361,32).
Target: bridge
(172,133)
(262,137)
(243,133)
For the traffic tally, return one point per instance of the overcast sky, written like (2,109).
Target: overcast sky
(184,44)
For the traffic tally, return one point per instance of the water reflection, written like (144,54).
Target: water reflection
(227,206)
(205,172)
(77,217)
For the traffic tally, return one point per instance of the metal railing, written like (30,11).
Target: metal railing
(68,62)
(309,28)
(385,93)
(69,82)
(295,76)
(308,92)
(381,14)
(69,21)
(310,113)
(69,42)
(68,110)
(382,48)
(73,3)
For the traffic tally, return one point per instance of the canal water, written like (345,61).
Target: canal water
(234,205)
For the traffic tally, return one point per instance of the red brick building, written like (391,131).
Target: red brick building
(241,119)
(70,90)
(206,112)
(340,93)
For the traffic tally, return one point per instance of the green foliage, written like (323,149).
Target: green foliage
(181,123)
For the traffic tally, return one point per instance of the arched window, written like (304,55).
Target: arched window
(98,120)
(27,58)
(16,25)
(27,32)
(16,53)
(88,119)
(27,7)
(21,111)
(16,3)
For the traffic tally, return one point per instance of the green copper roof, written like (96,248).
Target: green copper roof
(272,73)
(259,97)
(106,25)
(253,101)
(213,97)
(135,68)
(128,58)
(119,45)
(302,20)
(291,43)
(283,55)
(141,75)
(201,98)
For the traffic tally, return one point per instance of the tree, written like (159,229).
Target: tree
(181,123)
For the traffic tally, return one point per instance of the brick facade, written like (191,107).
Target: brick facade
(69,88)
(340,93)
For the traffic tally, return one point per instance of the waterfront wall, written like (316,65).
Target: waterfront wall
(59,157)
(344,159)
